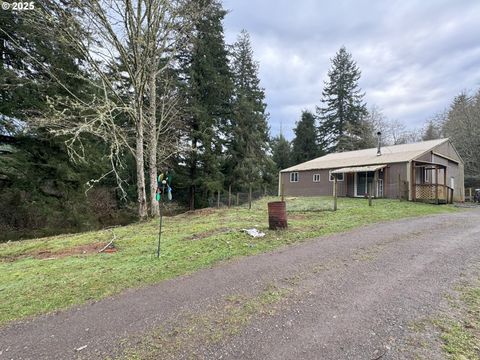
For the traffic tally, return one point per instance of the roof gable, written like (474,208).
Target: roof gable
(390,154)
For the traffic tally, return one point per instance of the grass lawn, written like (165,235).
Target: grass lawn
(42,275)
(461,334)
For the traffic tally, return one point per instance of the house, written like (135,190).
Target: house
(430,171)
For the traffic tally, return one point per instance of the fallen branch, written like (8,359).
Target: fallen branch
(110,243)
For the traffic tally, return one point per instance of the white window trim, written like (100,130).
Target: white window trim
(291,175)
(330,177)
(314,177)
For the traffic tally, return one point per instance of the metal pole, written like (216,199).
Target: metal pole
(160,230)
(161,218)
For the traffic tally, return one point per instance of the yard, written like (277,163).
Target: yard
(43,275)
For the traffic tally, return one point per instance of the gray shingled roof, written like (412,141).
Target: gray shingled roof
(390,154)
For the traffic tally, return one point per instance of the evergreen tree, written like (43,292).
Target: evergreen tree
(432,130)
(462,127)
(29,58)
(304,145)
(281,152)
(343,112)
(208,92)
(247,160)
(43,191)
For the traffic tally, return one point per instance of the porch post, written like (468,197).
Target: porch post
(436,184)
(446,190)
(414,179)
(385,183)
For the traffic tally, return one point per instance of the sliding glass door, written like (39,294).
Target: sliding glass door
(362,181)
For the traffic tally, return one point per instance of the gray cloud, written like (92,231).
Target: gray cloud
(415,56)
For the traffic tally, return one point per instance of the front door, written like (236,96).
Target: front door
(363,180)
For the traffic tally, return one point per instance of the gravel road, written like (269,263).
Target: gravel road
(351,296)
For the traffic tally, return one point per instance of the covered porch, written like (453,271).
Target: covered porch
(429,183)
(363,181)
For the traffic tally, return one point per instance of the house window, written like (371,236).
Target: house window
(294,177)
(316,177)
(339,177)
(426,176)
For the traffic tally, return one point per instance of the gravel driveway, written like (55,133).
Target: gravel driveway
(350,296)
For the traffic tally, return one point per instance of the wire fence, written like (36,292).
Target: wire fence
(472,194)
(227,198)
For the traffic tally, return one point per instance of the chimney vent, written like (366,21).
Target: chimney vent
(379,148)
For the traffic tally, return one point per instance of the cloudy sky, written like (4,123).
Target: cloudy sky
(415,56)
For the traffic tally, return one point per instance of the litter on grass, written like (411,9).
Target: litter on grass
(254,232)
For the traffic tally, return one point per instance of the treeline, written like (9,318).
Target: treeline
(93,109)
(115,93)
(343,122)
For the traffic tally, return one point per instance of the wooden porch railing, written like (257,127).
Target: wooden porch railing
(433,193)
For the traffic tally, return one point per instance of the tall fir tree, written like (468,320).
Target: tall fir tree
(342,116)
(208,94)
(304,145)
(247,162)
(281,152)
(433,129)
(33,62)
(462,127)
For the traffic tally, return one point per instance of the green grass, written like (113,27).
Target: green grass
(461,334)
(31,286)
(212,326)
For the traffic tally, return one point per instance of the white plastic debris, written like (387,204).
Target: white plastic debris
(254,232)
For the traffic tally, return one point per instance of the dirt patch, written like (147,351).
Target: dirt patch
(55,254)
(208,233)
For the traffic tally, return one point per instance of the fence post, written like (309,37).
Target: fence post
(370,194)
(238,198)
(218,199)
(400,188)
(282,188)
(229,196)
(250,197)
(264,190)
(335,192)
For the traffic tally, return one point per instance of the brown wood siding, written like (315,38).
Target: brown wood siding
(425,157)
(391,186)
(453,169)
(306,187)
(447,150)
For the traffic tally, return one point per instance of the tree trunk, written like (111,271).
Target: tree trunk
(152,142)
(140,164)
(193,174)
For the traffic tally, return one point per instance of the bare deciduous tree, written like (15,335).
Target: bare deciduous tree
(125,47)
